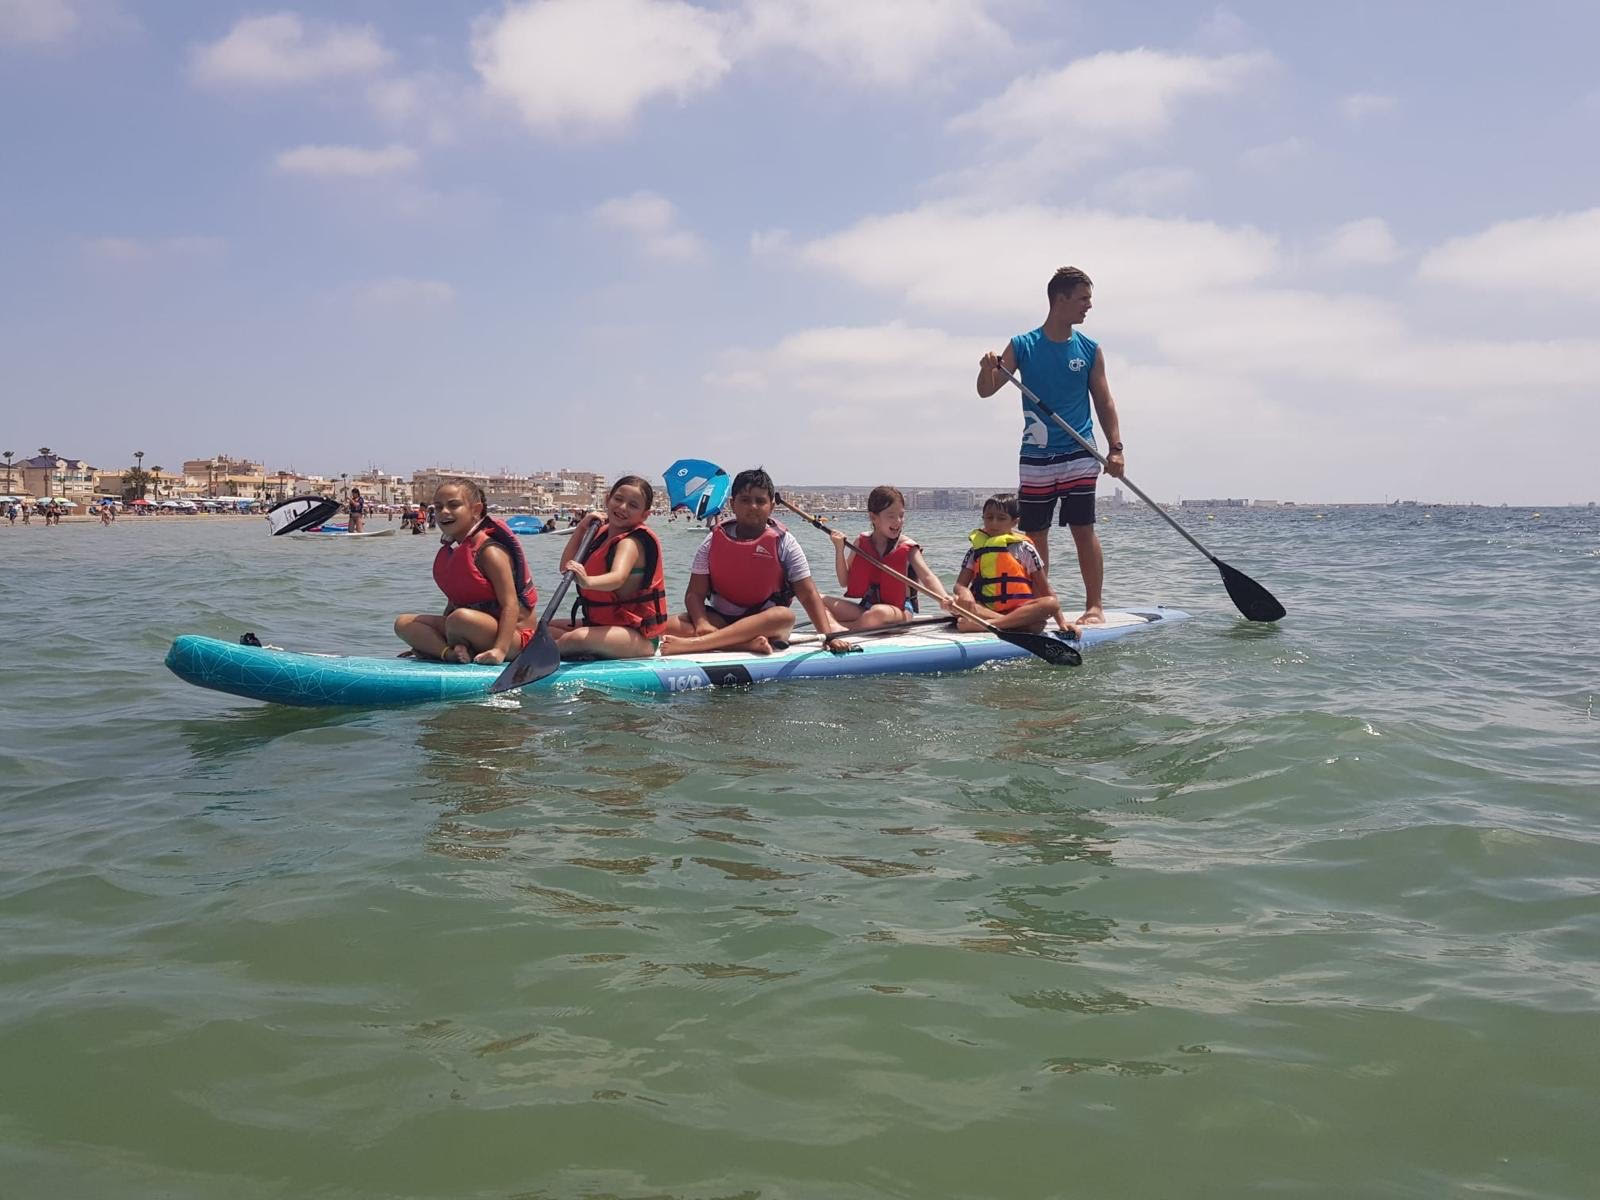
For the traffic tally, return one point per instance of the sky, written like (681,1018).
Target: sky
(1340,252)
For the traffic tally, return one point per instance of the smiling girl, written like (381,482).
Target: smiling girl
(622,600)
(873,597)
(489,595)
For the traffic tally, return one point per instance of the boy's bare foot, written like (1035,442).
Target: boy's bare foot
(758,645)
(454,654)
(1094,615)
(672,643)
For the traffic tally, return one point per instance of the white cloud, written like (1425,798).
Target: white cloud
(1187,295)
(1367,242)
(654,221)
(115,249)
(279,49)
(1556,254)
(427,104)
(37,22)
(828,377)
(400,293)
(587,66)
(1360,105)
(1146,188)
(765,243)
(882,42)
(996,261)
(346,160)
(1275,157)
(1092,104)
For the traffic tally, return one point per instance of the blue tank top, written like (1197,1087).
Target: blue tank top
(1059,373)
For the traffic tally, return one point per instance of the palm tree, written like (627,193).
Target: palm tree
(155,481)
(46,452)
(9,455)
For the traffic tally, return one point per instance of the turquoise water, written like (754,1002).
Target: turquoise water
(1307,911)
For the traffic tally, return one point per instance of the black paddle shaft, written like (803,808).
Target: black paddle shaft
(541,655)
(1251,599)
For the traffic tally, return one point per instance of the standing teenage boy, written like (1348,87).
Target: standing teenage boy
(1066,370)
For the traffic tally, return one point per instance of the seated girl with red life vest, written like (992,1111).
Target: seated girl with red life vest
(622,600)
(489,594)
(872,596)
(745,575)
(1003,577)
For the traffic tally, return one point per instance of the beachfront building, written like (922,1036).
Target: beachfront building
(55,475)
(542,489)
(379,488)
(425,483)
(225,476)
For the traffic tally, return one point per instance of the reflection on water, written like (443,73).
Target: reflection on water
(1269,894)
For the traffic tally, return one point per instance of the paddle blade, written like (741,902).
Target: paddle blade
(1054,651)
(1253,600)
(540,657)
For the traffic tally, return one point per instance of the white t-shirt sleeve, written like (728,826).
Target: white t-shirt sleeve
(793,558)
(702,558)
(1028,556)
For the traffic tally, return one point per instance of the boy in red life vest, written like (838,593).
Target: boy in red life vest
(745,575)
(621,608)
(489,595)
(873,597)
(1003,576)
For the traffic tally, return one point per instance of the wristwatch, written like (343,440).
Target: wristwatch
(1114,448)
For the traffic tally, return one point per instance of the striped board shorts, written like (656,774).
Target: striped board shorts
(1069,478)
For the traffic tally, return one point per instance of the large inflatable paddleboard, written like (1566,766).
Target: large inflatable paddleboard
(327,680)
(330,531)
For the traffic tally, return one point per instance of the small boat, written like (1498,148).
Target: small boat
(332,680)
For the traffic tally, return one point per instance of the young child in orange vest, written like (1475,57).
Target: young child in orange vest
(1003,576)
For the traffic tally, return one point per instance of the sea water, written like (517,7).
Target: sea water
(1310,910)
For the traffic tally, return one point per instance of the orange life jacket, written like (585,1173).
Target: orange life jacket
(748,574)
(1002,582)
(456,570)
(646,609)
(873,585)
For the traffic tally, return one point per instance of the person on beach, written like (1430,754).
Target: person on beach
(1003,576)
(357,508)
(621,608)
(745,575)
(489,594)
(1066,370)
(873,597)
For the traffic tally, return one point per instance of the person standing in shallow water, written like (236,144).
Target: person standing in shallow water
(1066,370)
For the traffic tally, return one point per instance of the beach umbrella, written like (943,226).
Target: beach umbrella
(170,504)
(141,501)
(65,503)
